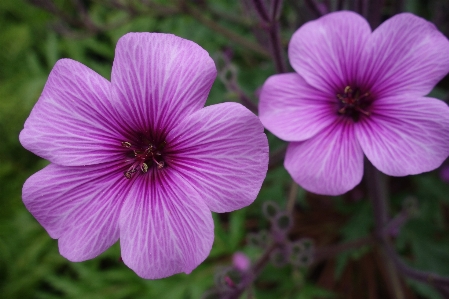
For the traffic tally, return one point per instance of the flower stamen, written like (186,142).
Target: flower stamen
(352,103)
(143,156)
(129,173)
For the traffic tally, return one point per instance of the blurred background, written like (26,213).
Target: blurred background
(34,34)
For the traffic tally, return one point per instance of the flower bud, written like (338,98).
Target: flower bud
(241,261)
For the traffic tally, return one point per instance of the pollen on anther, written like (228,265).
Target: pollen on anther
(144,168)
(348,89)
(128,174)
(126,144)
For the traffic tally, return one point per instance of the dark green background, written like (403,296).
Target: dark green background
(30,265)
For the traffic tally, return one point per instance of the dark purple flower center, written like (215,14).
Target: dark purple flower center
(144,154)
(353,103)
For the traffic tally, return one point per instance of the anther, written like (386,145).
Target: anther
(365,95)
(348,90)
(367,113)
(129,173)
(145,155)
(352,103)
(160,164)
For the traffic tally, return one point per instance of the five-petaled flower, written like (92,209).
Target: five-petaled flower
(359,92)
(139,158)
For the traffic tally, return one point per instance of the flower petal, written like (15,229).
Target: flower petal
(73,121)
(77,205)
(406,54)
(405,135)
(330,163)
(326,52)
(222,151)
(165,227)
(160,78)
(293,110)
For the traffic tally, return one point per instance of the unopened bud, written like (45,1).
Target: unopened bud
(283,222)
(270,209)
(240,261)
(229,282)
(260,239)
(279,257)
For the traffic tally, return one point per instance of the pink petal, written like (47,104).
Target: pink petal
(73,121)
(293,110)
(77,205)
(406,54)
(222,151)
(165,227)
(326,52)
(405,135)
(160,78)
(330,163)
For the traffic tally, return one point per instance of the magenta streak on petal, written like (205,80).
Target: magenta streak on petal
(405,135)
(74,122)
(222,151)
(330,163)
(115,170)
(143,153)
(77,205)
(158,79)
(374,84)
(293,110)
(168,230)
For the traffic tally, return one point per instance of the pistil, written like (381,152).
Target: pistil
(143,157)
(352,103)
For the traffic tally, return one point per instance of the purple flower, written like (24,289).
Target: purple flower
(139,159)
(241,261)
(355,93)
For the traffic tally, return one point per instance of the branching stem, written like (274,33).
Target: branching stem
(377,189)
(270,22)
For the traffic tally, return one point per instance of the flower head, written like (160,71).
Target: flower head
(241,261)
(355,93)
(139,159)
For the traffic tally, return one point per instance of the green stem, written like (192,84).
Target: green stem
(378,193)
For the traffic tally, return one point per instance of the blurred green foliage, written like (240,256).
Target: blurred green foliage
(30,265)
